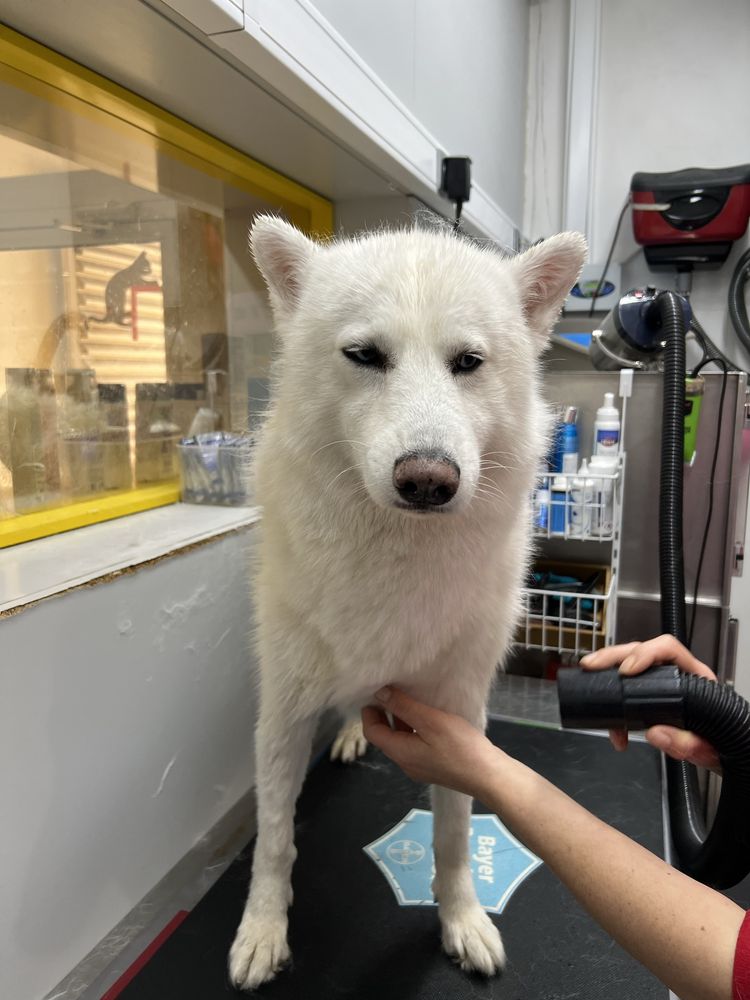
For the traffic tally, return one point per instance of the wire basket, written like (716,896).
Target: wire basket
(569,620)
(567,505)
(214,469)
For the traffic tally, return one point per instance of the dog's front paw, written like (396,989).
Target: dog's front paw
(472,940)
(259,950)
(350,743)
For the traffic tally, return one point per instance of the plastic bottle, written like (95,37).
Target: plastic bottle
(581,498)
(569,441)
(559,505)
(607,427)
(603,469)
(554,458)
(541,512)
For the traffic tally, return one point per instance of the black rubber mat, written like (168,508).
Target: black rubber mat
(349,936)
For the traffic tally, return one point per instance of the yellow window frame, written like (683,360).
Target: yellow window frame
(38,70)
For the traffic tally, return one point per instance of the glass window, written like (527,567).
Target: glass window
(132,313)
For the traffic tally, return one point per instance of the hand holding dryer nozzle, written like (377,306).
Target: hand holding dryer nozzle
(664,695)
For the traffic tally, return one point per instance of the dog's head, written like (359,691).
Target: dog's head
(415,354)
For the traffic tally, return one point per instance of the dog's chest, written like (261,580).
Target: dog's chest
(393,602)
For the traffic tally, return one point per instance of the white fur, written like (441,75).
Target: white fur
(353,592)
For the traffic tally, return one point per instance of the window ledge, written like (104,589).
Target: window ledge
(48,566)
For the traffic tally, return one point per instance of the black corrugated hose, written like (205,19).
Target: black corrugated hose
(720,858)
(737,307)
(664,695)
(671,563)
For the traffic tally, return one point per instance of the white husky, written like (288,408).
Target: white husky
(394,472)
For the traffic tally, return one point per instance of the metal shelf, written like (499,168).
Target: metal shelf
(571,621)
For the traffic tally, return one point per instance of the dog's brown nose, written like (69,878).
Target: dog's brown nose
(426,479)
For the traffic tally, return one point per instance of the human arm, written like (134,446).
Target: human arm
(633,658)
(682,931)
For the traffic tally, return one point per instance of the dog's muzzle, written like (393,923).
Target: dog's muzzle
(424,480)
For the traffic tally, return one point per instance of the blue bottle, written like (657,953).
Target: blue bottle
(558,505)
(564,453)
(569,441)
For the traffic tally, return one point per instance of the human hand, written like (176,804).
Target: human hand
(635,657)
(431,745)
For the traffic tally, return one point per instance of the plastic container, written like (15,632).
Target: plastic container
(541,508)
(604,491)
(563,456)
(694,389)
(581,498)
(569,441)
(554,457)
(214,469)
(558,505)
(607,427)
(32,453)
(81,439)
(113,415)
(156,433)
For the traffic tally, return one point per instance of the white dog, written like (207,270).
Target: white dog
(394,471)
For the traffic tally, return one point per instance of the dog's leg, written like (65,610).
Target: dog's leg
(350,742)
(469,935)
(282,751)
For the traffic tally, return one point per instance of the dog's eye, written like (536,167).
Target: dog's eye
(465,363)
(369,357)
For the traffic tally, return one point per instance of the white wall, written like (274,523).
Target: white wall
(687,106)
(547,80)
(460,68)
(126,722)
(672,83)
(669,97)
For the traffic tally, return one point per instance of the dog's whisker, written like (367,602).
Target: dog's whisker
(490,483)
(480,498)
(490,488)
(508,454)
(362,502)
(340,441)
(492,496)
(498,465)
(350,468)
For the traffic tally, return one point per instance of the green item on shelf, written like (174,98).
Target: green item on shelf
(694,388)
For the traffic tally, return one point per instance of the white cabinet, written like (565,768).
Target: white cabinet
(211,16)
(400,85)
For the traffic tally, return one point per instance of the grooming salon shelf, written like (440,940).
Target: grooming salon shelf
(591,514)
(567,621)
(574,621)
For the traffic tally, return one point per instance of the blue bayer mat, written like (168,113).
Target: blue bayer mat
(363,924)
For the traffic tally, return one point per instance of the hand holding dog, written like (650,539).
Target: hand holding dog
(635,657)
(432,746)
(658,914)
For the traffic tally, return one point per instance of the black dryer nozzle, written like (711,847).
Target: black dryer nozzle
(605,699)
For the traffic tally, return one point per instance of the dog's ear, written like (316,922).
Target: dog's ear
(546,273)
(282,254)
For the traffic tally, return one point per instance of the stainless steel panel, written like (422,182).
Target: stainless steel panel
(638,614)
(639,618)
